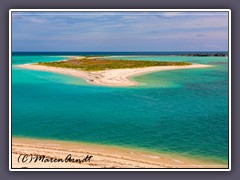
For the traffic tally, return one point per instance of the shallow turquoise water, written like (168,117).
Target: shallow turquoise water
(179,111)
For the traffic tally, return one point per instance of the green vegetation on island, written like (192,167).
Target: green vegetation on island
(96,64)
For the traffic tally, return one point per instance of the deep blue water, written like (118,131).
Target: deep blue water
(178,111)
(115,53)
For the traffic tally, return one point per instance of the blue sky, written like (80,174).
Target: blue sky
(119,31)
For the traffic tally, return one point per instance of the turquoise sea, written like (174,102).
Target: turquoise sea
(180,111)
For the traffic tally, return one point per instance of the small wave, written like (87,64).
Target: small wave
(149,156)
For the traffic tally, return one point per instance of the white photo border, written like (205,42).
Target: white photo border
(119,10)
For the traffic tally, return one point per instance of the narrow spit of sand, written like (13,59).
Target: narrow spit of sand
(113,77)
(102,156)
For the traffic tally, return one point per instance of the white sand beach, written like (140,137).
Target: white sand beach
(113,77)
(101,156)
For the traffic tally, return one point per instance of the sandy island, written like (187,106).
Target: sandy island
(101,156)
(112,77)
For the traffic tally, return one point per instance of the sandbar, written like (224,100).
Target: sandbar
(111,77)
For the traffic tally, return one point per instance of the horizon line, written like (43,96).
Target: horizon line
(120,51)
